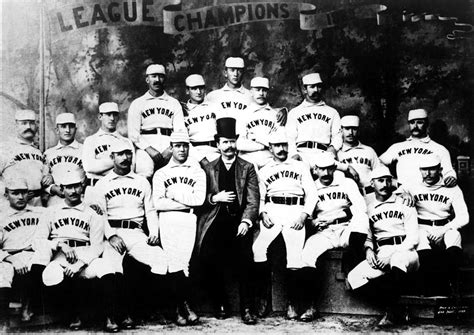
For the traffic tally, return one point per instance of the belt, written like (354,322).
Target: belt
(162,131)
(441,222)
(91,181)
(285,200)
(36,193)
(126,224)
(391,241)
(341,220)
(74,243)
(312,145)
(367,190)
(209,143)
(187,210)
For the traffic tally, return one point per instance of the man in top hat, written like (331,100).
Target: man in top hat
(407,154)
(200,120)
(151,119)
(96,157)
(442,212)
(287,198)
(17,231)
(256,124)
(65,156)
(72,236)
(391,242)
(313,127)
(178,187)
(224,236)
(359,156)
(339,220)
(21,156)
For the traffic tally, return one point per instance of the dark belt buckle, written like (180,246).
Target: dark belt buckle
(288,201)
(126,224)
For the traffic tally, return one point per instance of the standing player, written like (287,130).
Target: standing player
(66,155)
(287,199)
(360,156)
(256,124)
(313,127)
(340,218)
(21,157)
(17,230)
(177,188)
(391,243)
(96,150)
(200,120)
(409,153)
(151,119)
(72,236)
(127,199)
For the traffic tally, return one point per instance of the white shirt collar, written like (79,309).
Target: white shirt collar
(425,139)
(74,145)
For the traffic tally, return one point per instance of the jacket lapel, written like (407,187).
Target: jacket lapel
(239,179)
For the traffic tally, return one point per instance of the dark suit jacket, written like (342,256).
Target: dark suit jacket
(248,195)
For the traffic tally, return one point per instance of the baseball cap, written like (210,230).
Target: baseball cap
(15,182)
(324,160)
(311,79)
(194,80)
(278,136)
(235,62)
(350,121)
(179,136)
(25,114)
(65,118)
(108,107)
(53,274)
(155,69)
(430,160)
(120,145)
(260,82)
(381,171)
(417,114)
(69,177)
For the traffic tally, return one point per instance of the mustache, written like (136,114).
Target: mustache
(282,152)
(229,150)
(383,189)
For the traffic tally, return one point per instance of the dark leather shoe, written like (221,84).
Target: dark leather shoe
(263,308)
(291,313)
(222,313)
(76,324)
(127,323)
(248,318)
(111,326)
(387,321)
(309,315)
(159,318)
(191,316)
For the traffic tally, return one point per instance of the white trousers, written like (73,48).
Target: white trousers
(452,237)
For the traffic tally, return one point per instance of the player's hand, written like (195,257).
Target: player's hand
(371,258)
(22,270)
(266,221)
(383,262)
(320,224)
(296,157)
(167,153)
(72,269)
(242,229)
(299,224)
(224,196)
(436,235)
(155,155)
(352,173)
(282,116)
(56,190)
(46,181)
(118,244)
(153,240)
(450,181)
(69,252)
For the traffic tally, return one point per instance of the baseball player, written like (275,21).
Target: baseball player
(96,150)
(21,156)
(151,119)
(340,217)
(360,156)
(127,200)
(177,188)
(200,120)
(66,155)
(391,242)
(255,125)
(313,127)
(17,230)
(73,238)
(287,199)
(442,212)
(406,155)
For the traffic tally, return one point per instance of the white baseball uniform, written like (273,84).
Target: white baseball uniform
(439,208)
(312,125)
(128,201)
(254,126)
(62,158)
(342,206)
(393,236)
(409,153)
(150,122)
(286,191)
(17,231)
(82,228)
(230,102)
(177,188)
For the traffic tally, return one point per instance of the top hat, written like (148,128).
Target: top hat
(226,128)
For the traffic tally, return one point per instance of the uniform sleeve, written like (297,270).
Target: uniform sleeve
(3,253)
(211,97)
(134,125)
(178,118)
(263,191)
(91,163)
(41,241)
(358,206)
(292,133)
(374,159)
(150,212)
(161,202)
(445,158)
(198,194)
(252,200)
(310,191)
(411,230)
(389,156)
(336,131)
(96,237)
(460,210)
